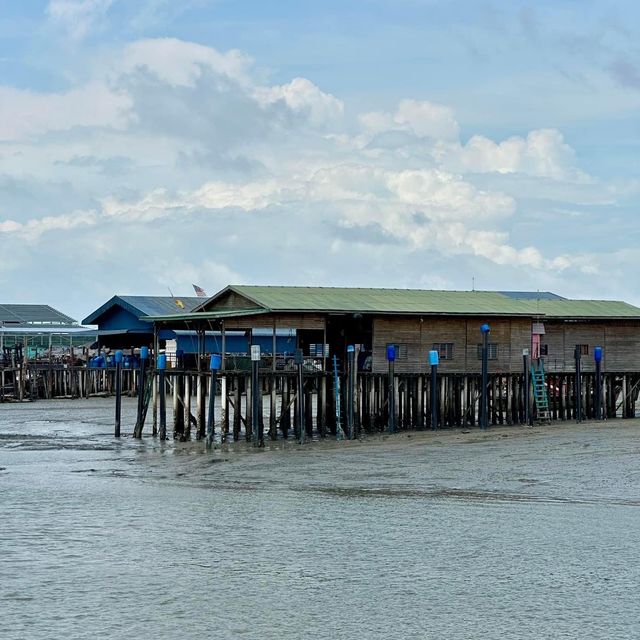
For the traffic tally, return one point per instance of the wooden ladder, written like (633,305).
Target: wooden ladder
(540,393)
(339,411)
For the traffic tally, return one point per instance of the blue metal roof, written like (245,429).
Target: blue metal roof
(531,295)
(141,306)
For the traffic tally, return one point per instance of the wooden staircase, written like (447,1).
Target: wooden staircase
(540,392)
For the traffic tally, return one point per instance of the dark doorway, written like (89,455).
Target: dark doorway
(346,329)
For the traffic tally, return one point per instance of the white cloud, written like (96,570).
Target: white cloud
(428,119)
(179,63)
(31,230)
(78,16)
(419,209)
(302,96)
(25,114)
(175,272)
(427,131)
(447,197)
(250,196)
(423,118)
(180,153)
(542,153)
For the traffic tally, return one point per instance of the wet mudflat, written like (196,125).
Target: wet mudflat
(516,533)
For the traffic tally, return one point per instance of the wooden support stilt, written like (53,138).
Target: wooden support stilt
(224,409)
(155,406)
(237,409)
(249,408)
(273,418)
(178,410)
(186,405)
(323,409)
(285,419)
(201,407)
(457,397)
(308,408)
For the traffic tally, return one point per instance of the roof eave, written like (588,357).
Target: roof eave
(116,300)
(93,318)
(582,318)
(205,315)
(523,314)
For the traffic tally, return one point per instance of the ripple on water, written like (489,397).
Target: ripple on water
(494,538)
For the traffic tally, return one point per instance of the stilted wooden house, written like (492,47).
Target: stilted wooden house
(120,320)
(39,328)
(121,324)
(327,319)
(367,394)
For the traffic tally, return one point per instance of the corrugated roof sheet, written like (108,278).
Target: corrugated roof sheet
(161,305)
(20,330)
(141,306)
(532,295)
(419,301)
(208,315)
(581,308)
(403,301)
(279,299)
(28,314)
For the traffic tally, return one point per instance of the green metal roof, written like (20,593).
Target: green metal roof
(381,301)
(606,309)
(277,299)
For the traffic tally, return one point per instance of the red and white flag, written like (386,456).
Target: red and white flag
(200,292)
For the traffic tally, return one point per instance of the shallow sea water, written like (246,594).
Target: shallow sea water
(516,533)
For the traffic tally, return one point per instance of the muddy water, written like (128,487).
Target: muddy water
(519,533)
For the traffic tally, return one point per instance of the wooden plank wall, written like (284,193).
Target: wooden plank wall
(231,300)
(619,339)
(282,321)
(622,346)
(512,335)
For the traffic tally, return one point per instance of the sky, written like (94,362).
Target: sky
(147,146)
